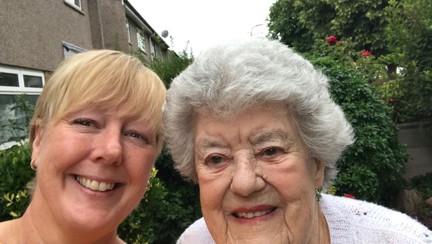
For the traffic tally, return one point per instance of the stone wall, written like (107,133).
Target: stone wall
(418,139)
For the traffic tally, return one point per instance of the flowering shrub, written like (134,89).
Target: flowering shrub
(371,168)
(331,40)
(347,195)
(365,53)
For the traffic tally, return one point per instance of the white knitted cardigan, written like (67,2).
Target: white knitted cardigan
(350,221)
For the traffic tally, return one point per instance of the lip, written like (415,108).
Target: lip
(254,214)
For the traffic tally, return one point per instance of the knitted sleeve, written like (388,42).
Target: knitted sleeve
(366,222)
(196,233)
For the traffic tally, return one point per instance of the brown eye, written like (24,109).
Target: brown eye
(215,159)
(271,152)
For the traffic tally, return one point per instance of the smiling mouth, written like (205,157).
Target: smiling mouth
(250,215)
(95,185)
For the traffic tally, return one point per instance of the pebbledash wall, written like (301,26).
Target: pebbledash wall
(418,139)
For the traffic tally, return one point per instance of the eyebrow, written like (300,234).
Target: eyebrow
(273,135)
(206,143)
(266,136)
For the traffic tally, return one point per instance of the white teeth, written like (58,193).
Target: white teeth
(95,185)
(250,215)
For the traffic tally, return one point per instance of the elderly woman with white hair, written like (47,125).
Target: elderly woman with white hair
(253,123)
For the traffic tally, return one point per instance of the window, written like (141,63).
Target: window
(153,49)
(14,82)
(70,49)
(141,42)
(128,30)
(74,3)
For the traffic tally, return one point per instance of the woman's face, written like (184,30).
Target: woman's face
(92,168)
(257,183)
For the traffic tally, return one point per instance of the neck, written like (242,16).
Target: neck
(37,226)
(324,231)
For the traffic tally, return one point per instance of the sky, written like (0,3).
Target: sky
(197,24)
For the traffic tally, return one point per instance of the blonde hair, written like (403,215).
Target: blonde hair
(102,79)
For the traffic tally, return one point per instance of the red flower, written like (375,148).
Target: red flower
(331,40)
(349,196)
(366,53)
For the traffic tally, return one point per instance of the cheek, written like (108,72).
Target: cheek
(54,150)
(291,184)
(139,164)
(213,188)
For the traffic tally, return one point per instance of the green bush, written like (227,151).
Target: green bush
(168,207)
(423,184)
(371,168)
(409,34)
(15,173)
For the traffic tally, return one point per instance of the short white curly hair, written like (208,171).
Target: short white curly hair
(234,76)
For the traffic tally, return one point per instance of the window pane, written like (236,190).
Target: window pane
(76,3)
(14,121)
(33,81)
(141,42)
(8,79)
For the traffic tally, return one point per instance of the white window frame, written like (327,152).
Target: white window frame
(74,3)
(141,41)
(71,49)
(21,88)
(128,31)
(152,49)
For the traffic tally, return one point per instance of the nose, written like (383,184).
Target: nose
(108,147)
(247,177)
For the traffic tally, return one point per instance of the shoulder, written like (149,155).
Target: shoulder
(196,233)
(365,221)
(6,231)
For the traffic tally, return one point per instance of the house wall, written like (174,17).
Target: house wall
(32,32)
(418,139)
(36,36)
(112,24)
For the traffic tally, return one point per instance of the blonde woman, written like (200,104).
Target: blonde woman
(95,135)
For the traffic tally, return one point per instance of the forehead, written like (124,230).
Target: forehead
(252,125)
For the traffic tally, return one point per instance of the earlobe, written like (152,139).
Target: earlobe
(319,172)
(36,145)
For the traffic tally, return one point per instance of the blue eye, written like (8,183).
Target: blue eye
(135,135)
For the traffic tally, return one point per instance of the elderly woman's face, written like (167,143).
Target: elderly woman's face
(256,180)
(92,168)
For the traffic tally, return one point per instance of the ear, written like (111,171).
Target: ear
(319,172)
(36,145)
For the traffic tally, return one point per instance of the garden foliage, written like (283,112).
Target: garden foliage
(409,34)
(371,168)
(15,172)
(397,32)
(299,22)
